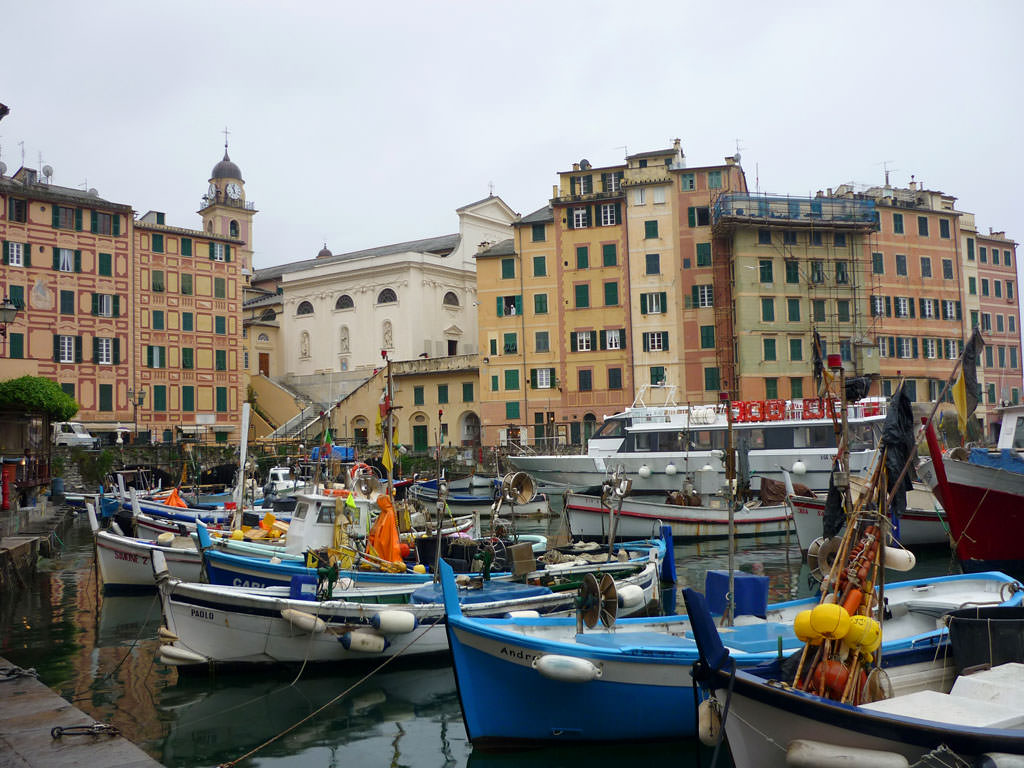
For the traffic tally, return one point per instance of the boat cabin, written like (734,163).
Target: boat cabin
(315,517)
(1011,429)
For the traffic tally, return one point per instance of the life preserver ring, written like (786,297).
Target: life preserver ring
(775,409)
(813,408)
(755,410)
(357,468)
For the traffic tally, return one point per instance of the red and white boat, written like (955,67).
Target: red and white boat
(984,503)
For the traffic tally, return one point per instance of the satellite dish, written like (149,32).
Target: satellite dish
(597,601)
(93,192)
(517,488)
(47,171)
(366,484)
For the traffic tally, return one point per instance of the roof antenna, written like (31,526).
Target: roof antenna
(625,150)
(490,187)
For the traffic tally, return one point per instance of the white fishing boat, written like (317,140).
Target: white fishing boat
(661,446)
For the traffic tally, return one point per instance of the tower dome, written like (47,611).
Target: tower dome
(226,169)
(324,252)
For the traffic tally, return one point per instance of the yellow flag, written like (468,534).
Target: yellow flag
(350,501)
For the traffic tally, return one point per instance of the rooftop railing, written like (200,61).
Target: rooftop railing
(824,210)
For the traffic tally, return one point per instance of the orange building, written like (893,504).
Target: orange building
(139,321)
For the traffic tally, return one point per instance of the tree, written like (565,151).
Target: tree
(37,395)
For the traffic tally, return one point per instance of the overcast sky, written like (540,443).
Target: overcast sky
(363,124)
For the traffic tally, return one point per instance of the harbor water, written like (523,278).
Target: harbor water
(100,653)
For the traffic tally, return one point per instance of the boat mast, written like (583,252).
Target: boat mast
(388,448)
(730,479)
(239,491)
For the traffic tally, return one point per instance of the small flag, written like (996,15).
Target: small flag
(965,389)
(350,501)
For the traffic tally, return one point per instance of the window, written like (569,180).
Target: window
(928,348)
(998,287)
(846,350)
(944,228)
(14,254)
(512,378)
(67,302)
(508,269)
(984,287)
(877,306)
(659,195)
(765,270)
(188,359)
(902,306)
(657,374)
(66,218)
(767,310)
(950,310)
(843,308)
(583,341)
(687,182)
(186,321)
(986,321)
(928,308)
(582,293)
(983,254)
(541,342)
(387,296)
(714,179)
(221,397)
(582,257)
(972,285)
(442,393)
(788,237)
(947,269)
(707,337)
(771,388)
(903,347)
(796,349)
(157,243)
(698,216)
(815,238)
(639,196)
(543,378)
(220,360)
(653,264)
(106,397)
(186,285)
(585,377)
(417,395)
(704,255)
(1009,289)
(792,271)
(653,303)
(655,341)
(584,184)
(467,391)
(989,363)
(1011,324)
(157,320)
(793,310)
(611,294)
(218,252)
(220,325)
(705,295)
(510,344)
(970,249)
(897,223)
(609,256)
(614,378)
(1007,259)
(344,302)
(877,264)
(839,240)
(65,260)
(769,349)
(540,267)
(922,226)
(711,379)
(540,303)
(650,230)
(159,397)
(579,218)
(538,233)
(219,288)
(156,357)
(1002,357)
(157,280)
(817,271)
(609,214)
(818,310)
(842,272)
(186,246)
(999,323)
(17,210)
(764,237)
(103,351)
(512,409)
(901,264)
(796,387)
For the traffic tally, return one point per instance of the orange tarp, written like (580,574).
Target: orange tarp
(174,500)
(383,539)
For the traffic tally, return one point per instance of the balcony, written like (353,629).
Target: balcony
(734,209)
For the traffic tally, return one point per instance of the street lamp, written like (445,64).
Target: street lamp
(8,311)
(136,398)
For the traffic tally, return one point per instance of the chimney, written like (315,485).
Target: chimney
(575,166)
(830,191)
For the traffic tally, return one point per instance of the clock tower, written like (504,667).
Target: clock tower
(225,211)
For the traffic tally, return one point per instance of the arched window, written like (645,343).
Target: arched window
(305,308)
(388,341)
(268,314)
(387,296)
(344,302)
(233,228)
(450,299)
(589,425)
(263,338)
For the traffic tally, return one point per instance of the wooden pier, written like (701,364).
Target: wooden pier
(29,713)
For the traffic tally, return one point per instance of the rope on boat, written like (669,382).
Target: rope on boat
(16,673)
(941,757)
(335,700)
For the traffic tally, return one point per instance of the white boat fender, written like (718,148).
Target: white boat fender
(159,565)
(174,656)
(630,596)
(522,615)
(116,528)
(805,753)
(566,669)
(363,641)
(709,722)
(899,559)
(303,621)
(166,635)
(165,539)
(394,622)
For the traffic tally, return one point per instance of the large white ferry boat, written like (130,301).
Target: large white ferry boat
(661,447)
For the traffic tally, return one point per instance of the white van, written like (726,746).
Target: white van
(73,433)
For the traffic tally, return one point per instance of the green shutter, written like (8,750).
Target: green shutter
(212,257)
(519,305)
(913,346)
(500,306)
(227,252)
(568,219)
(117,351)
(56,258)
(622,338)
(28,254)
(643,303)
(56,348)
(6,257)
(618,213)
(17,341)
(149,356)
(888,306)
(56,215)
(117,305)
(533,378)
(691,216)
(910,303)
(647,343)
(664,298)
(572,185)
(78,349)
(95,349)
(959,316)
(603,339)
(94,222)
(573,346)
(95,303)
(78,261)
(78,219)
(922,301)
(593,339)
(117,224)
(664,341)
(892,346)
(696,297)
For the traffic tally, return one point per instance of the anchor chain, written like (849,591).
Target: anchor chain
(96,729)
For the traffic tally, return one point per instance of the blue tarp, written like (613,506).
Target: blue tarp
(1006,459)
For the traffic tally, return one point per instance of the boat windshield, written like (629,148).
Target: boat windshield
(863,436)
(611,428)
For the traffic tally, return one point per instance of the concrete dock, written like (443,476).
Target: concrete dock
(29,711)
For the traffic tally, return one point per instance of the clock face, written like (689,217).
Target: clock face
(234,191)
(212,191)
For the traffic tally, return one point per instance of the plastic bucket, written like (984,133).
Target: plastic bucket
(989,635)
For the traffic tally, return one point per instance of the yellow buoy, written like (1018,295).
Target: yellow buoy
(237,535)
(419,568)
(803,630)
(830,620)
(872,637)
(859,625)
